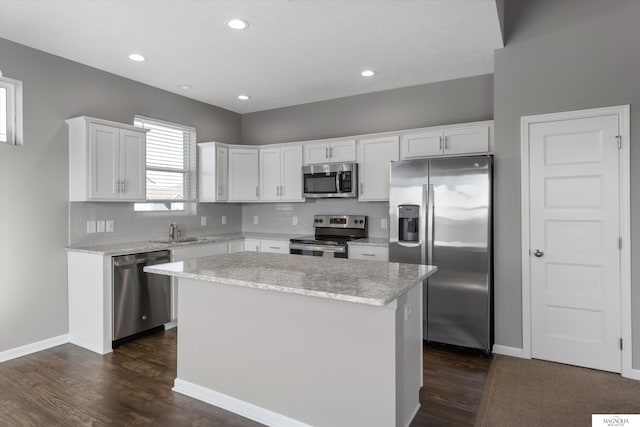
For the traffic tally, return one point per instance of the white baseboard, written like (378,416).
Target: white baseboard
(508,351)
(24,350)
(237,406)
(635,374)
(413,415)
(170,325)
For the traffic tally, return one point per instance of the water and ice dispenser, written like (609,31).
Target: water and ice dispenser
(408,223)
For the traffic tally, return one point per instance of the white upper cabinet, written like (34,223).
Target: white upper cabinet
(330,151)
(422,144)
(452,140)
(212,172)
(466,140)
(281,173)
(243,175)
(270,166)
(106,161)
(374,155)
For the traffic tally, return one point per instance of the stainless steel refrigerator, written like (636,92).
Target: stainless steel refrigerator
(440,214)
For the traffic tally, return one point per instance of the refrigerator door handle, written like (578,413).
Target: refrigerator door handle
(430,197)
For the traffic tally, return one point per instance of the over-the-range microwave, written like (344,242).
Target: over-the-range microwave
(330,180)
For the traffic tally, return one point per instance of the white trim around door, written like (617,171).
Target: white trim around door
(623,113)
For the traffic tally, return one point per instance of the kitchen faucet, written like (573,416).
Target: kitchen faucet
(174,233)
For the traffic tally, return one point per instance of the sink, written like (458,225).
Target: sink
(181,240)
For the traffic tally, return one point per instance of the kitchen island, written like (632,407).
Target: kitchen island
(290,340)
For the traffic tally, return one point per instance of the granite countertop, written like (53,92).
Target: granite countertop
(371,241)
(148,245)
(364,282)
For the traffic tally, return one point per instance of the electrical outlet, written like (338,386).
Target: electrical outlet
(224,219)
(203,221)
(383,223)
(100,226)
(255,219)
(111,226)
(91,226)
(294,220)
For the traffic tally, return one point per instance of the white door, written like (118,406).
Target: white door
(104,147)
(269,174)
(132,165)
(574,232)
(374,157)
(291,184)
(243,174)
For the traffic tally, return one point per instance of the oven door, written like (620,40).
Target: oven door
(318,250)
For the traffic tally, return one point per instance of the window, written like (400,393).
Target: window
(171,166)
(10,111)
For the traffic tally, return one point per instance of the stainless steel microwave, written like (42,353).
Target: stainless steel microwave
(330,180)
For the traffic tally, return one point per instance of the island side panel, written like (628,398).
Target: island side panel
(319,361)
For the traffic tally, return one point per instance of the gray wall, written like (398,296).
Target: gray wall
(454,101)
(34,200)
(559,55)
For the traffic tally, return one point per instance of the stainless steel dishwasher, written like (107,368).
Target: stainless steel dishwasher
(141,301)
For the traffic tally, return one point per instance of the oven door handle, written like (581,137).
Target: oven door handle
(322,248)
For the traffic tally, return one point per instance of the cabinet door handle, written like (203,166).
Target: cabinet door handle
(257,192)
(331,152)
(124,186)
(282,190)
(368,255)
(440,146)
(446,142)
(326,152)
(361,188)
(274,247)
(117,188)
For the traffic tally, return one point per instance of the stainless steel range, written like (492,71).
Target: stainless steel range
(332,234)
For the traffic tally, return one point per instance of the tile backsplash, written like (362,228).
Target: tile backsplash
(278,217)
(130,226)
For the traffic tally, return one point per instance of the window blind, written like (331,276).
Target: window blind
(170,162)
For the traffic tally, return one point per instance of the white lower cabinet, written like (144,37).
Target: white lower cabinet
(252,245)
(274,246)
(189,252)
(236,246)
(369,253)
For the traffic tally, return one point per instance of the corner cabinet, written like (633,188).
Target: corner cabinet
(281,174)
(213,164)
(106,161)
(243,175)
(453,140)
(341,150)
(374,156)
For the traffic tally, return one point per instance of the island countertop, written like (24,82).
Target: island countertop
(364,282)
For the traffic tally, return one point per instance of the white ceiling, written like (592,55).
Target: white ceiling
(294,51)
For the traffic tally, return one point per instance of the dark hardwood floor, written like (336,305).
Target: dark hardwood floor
(71,386)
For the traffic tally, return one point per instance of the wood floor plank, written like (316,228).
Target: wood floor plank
(71,386)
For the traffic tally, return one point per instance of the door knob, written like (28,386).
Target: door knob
(538,253)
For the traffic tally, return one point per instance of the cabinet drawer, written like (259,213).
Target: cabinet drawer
(252,245)
(274,246)
(369,253)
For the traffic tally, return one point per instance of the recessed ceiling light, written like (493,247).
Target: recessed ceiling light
(185,87)
(237,24)
(136,57)
(368,73)
(243,97)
